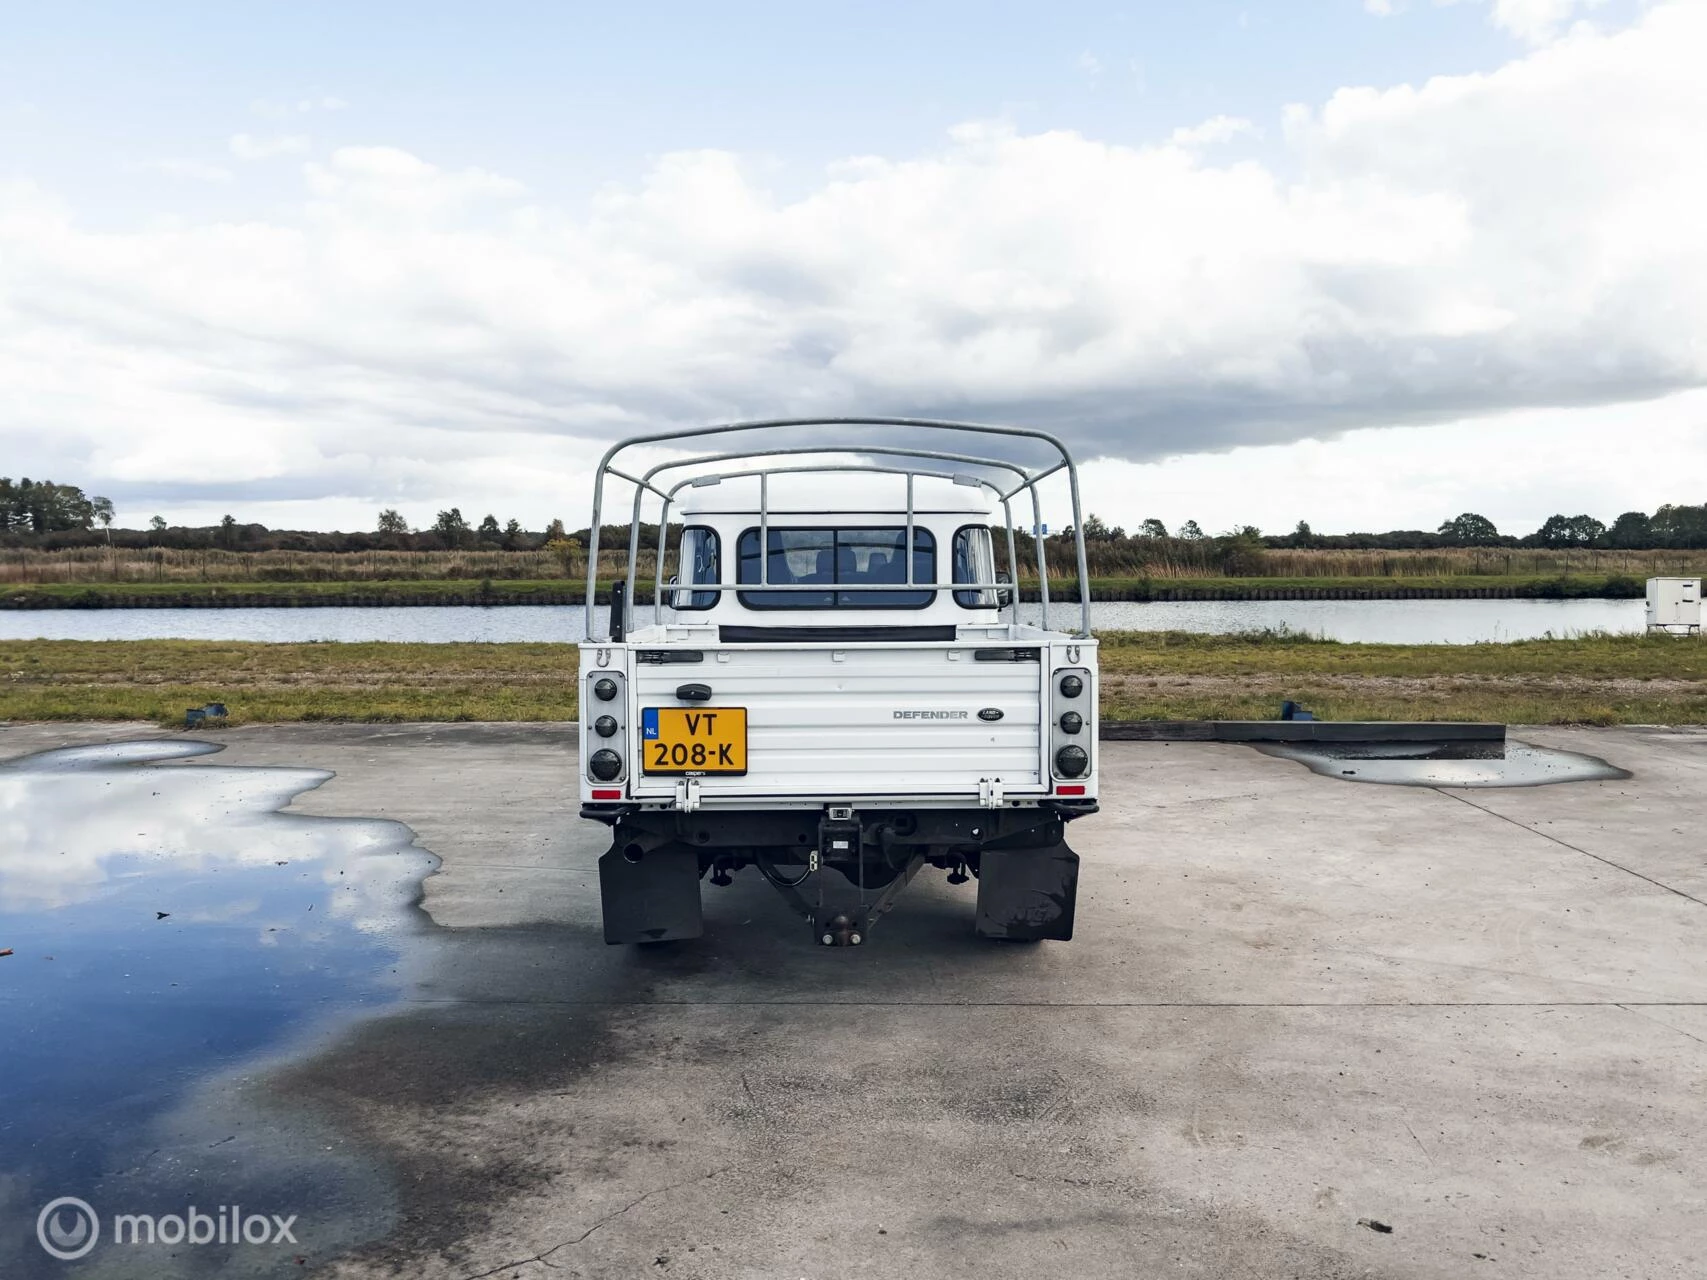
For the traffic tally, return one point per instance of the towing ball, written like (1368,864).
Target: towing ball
(840,931)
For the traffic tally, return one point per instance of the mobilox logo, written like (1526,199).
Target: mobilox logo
(68,1228)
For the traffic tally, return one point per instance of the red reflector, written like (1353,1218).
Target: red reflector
(615,793)
(1061,789)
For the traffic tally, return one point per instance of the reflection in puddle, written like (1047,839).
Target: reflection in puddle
(167,924)
(1446,764)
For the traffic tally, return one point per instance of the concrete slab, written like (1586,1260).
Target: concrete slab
(1656,826)
(1293,1003)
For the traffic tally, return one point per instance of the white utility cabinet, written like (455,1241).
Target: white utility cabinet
(1674,604)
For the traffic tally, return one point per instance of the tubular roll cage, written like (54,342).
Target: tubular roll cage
(1028,480)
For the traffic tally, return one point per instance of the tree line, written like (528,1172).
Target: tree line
(48,515)
(1670,528)
(53,517)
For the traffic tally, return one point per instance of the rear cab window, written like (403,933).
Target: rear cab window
(836,557)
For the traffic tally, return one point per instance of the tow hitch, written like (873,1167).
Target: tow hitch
(836,921)
(1028,886)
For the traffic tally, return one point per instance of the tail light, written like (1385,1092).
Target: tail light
(1071,710)
(605,756)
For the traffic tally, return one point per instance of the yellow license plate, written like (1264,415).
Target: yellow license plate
(693,740)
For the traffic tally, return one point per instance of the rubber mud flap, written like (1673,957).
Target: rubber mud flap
(652,898)
(1027,895)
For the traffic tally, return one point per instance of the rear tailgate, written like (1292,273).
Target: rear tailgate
(827,722)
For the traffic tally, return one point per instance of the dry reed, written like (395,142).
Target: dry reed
(1167,559)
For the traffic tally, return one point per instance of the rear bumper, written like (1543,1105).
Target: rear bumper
(611,812)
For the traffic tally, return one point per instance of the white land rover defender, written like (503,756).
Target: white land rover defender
(837,688)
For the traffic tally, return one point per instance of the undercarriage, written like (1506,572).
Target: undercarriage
(839,867)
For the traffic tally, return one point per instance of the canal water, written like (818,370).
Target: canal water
(1363,621)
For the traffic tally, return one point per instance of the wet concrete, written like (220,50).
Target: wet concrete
(1476,1016)
(1446,764)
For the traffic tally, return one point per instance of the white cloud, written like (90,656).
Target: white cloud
(1215,129)
(1533,21)
(246,146)
(1090,64)
(1526,238)
(197,170)
(1537,21)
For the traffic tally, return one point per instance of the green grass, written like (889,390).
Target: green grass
(1146,675)
(1598,679)
(157,679)
(1591,657)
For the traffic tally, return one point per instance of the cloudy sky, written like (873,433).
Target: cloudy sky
(1363,262)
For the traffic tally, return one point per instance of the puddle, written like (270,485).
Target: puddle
(1446,764)
(170,931)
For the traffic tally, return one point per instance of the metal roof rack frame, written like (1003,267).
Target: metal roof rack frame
(1028,480)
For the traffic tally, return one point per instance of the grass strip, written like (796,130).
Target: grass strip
(1146,675)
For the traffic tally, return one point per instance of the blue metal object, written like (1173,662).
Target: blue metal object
(1290,710)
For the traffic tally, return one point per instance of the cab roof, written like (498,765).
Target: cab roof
(839,492)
